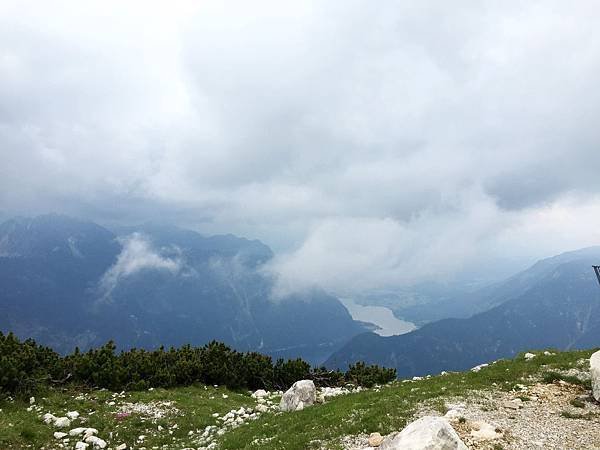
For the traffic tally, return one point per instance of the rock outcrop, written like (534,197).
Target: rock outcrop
(302,393)
(427,433)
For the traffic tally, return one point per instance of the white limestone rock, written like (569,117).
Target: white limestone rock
(302,393)
(479,367)
(96,442)
(262,408)
(595,374)
(72,415)
(62,422)
(89,432)
(261,393)
(48,418)
(427,433)
(77,431)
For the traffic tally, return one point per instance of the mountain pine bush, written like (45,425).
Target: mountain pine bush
(26,367)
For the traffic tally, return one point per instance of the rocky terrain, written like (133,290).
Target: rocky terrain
(538,400)
(538,416)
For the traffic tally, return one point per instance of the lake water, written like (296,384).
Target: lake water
(380,316)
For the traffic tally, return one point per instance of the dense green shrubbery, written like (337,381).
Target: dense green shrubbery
(368,376)
(26,366)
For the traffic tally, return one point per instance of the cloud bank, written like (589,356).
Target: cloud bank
(136,255)
(370,143)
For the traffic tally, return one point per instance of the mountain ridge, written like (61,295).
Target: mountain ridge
(559,307)
(167,286)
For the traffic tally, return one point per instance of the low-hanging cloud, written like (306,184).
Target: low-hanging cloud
(136,255)
(368,142)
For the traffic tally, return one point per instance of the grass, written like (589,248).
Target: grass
(21,429)
(320,426)
(553,377)
(577,403)
(571,415)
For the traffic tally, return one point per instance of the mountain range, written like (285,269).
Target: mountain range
(553,304)
(71,283)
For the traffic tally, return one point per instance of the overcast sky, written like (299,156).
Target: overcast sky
(370,143)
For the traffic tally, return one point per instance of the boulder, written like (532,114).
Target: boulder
(59,435)
(427,433)
(595,374)
(302,393)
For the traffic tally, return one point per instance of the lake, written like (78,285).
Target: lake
(380,316)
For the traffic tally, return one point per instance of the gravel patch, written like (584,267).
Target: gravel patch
(154,410)
(541,416)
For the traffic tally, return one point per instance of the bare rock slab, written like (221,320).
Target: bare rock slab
(302,393)
(427,433)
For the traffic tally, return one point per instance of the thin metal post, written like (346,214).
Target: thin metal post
(597,270)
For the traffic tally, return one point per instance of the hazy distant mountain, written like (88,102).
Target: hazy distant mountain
(555,303)
(67,282)
(427,301)
(432,301)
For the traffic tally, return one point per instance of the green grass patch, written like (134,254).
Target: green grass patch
(577,403)
(583,416)
(553,377)
(320,426)
(391,409)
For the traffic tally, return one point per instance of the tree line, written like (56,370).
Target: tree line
(26,367)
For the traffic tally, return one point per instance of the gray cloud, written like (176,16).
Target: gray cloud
(370,143)
(137,255)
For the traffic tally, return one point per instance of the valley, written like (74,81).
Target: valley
(387,324)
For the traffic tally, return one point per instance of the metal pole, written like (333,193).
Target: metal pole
(597,270)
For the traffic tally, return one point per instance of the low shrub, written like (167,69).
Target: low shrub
(25,367)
